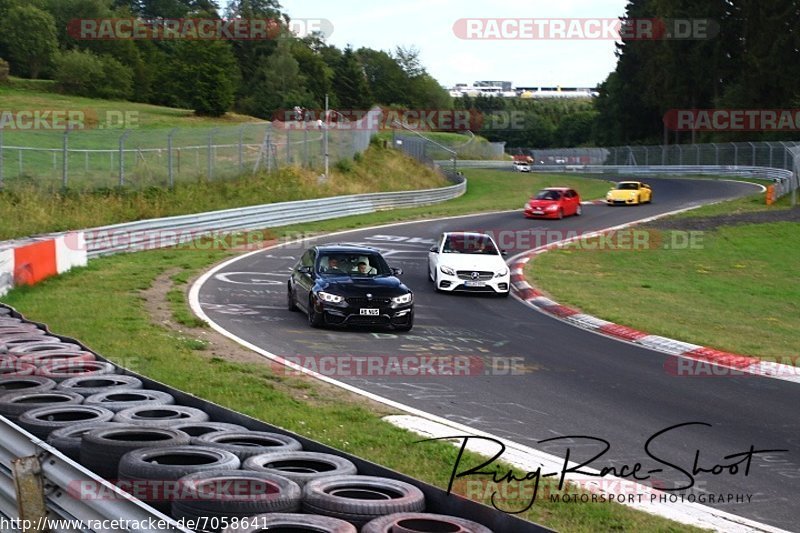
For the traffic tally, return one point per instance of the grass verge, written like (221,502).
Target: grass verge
(733,290)
(377,169)
(127,333)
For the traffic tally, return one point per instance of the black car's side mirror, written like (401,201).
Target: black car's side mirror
(304,269)
(434,249)
(397,271)
(503,253)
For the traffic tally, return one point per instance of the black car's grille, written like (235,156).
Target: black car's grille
(378,320)
(367,302)
(482,275)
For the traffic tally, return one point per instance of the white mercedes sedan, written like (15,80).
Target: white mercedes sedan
(468,262)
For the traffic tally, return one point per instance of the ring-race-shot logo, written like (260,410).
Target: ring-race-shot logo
(194,29)
(592,29)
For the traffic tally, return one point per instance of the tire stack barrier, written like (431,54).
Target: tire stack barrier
(79,403)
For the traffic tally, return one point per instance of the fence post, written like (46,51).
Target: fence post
(680,154)
(306,161)
(1,158)
(170,173)
(716,154)
(122,157)
(65,160)
(288,148)
(210,172)
(697,146)
(770,154)
(753,146)
(241,150)
(735,154)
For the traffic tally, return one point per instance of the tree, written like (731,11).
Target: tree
(83,73)
(278,84)
(168,9)
(29,36)
(204,76)
(388,82)
(315,71)
(349,82)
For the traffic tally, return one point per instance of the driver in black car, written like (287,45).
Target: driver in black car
(333,266)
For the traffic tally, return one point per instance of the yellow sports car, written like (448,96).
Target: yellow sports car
(629,193)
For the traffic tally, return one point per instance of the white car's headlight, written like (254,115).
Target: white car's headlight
(447,270)
(328,297)
(403,299)
(501,273)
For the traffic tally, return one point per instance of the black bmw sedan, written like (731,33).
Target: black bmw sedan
(347,285)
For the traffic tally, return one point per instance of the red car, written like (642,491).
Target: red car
(554,202)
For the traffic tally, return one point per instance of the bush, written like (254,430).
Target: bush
(344,165)
(83,73)
(3,71)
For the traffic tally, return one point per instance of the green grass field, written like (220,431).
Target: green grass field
(127,334)
(735,290)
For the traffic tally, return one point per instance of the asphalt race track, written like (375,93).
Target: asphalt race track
(537,377)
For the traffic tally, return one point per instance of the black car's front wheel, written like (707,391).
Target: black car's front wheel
(290,303)
(315,319)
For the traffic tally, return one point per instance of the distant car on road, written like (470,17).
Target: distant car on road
(466,261)
(629,193)
(522,166)
(346,285)
(554,202)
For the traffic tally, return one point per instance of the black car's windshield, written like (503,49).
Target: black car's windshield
(469,244)
(627,186)
(352,264)
(547,195)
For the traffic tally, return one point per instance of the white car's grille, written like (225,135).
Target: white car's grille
(474,275)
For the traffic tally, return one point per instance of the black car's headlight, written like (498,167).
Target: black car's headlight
(403,299)
(330,298)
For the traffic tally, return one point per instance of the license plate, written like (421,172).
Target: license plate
(474,283)
(538,212)
(370,312)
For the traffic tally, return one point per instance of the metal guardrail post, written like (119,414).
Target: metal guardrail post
(122,157)
(29,488)
(171,178)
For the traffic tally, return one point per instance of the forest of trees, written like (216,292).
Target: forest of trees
(752,62)
(255,77)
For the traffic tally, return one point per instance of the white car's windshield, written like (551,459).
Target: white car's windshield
(469,244)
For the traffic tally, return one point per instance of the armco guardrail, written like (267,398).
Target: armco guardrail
(163,232)
(784,180)
(61,474)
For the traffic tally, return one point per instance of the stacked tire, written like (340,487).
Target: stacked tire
(213,475)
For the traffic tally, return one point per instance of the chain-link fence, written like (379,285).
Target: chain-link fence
(424,147)
(138,158)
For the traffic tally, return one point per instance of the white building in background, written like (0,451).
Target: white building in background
(506,89)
